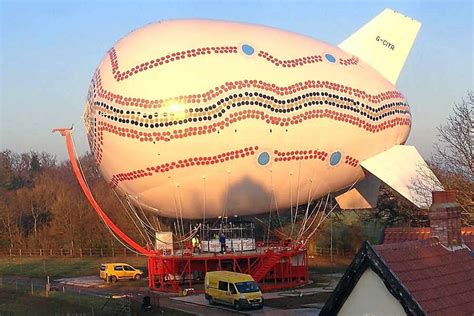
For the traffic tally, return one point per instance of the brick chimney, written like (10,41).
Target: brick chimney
(445,218)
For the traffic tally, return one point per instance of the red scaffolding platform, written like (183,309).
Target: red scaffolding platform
(272,266)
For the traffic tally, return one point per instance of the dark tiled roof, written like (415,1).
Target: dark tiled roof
(402,234)
(441,281)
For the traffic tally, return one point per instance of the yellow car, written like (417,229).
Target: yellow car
(231,288)
(112,272)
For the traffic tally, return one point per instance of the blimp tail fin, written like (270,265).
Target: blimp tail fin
(362,196)
(403,169)
(384,42)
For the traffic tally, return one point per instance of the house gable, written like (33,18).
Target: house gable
(371,297)
(365,259)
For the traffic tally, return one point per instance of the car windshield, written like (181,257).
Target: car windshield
(247,287)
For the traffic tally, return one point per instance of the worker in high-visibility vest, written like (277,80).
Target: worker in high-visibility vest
(196,242)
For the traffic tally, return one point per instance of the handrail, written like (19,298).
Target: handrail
(67,133)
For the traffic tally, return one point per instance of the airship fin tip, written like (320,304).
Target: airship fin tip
(362,196)
(384,42)
(403,169)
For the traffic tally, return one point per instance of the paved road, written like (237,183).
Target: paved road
(199,300)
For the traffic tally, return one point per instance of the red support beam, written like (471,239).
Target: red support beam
(67,133)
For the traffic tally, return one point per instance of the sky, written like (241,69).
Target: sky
(50,49)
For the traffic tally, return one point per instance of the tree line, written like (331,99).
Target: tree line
(42,205)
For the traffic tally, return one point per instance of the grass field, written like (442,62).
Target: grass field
(57,267)
(19,301)
(323,264)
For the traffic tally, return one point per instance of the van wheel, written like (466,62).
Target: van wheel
(113,279)
(137,277)
(237,306)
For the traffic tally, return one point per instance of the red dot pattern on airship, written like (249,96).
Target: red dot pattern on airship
(172,121)
(183,163)
(202,51)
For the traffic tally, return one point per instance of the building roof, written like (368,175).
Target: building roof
(402,234)
(424,276)
(440,280)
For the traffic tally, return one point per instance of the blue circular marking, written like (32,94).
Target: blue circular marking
(263,158)
(330,58)
(335,158)
(247,49)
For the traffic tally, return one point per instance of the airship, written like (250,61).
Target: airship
(207,118)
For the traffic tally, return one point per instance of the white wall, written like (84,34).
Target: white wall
(371,297)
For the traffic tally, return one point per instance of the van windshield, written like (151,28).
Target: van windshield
(247,287)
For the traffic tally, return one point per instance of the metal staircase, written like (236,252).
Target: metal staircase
(264,265)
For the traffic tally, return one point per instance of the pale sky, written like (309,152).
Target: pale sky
(50,49)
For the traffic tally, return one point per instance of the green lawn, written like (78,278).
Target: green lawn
(55,267)
(21,302)
(18,300)
(323,264)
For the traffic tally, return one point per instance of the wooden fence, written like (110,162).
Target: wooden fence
(319,251)
(123,252)
(80,252)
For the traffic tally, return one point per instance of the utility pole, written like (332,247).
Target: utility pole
(331,235)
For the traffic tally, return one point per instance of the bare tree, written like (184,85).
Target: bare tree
(394,210)
(8,224)
(453,160)
(455,144)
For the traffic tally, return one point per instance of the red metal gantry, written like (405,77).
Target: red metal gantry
(272,266)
